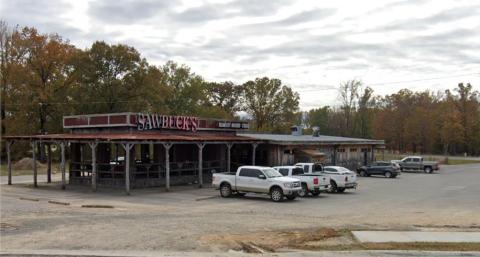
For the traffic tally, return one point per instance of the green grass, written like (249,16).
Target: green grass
(455,162)
(442,160)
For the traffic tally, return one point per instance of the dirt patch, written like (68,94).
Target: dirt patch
(271,241)
(27,164)
(4,227)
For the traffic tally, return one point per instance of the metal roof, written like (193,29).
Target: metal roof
(282,139)
(135,137)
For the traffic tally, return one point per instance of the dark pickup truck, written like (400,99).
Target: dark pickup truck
(387,169)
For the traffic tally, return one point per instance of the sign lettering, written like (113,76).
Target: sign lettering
(157,121)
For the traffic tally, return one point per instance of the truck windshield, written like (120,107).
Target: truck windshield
(271,173)
(317,167)
(297,171)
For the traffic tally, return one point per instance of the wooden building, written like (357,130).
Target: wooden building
(135,150)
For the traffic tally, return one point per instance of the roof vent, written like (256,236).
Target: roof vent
(296,130)
(315,131)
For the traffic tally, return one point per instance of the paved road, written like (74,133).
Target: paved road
(191,219)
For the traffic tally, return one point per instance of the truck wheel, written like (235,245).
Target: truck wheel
(363,173)
(333,187)
(315,193)
(428,169)
(225,190)
(291,197)
(388,174)
(276,194)
(304,191)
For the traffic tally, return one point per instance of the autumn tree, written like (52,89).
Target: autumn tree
(270,103)
(113,78)
(8,61)
(225,96)
(319,117)
(186,90)
(449,124)
(365,113)
(467,105)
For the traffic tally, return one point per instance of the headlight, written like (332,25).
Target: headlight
(289,185)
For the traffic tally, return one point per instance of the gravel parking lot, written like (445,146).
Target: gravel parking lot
(192,219)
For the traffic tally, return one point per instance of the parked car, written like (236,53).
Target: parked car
(340,178)
(311,183)
(387,169)
(416,163)
(257,179)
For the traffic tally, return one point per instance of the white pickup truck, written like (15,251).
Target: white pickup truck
(340,178)
(311,183)
(257,179)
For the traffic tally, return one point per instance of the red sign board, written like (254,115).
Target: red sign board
(145,122)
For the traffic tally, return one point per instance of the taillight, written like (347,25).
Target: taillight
(315,181)
(346,178)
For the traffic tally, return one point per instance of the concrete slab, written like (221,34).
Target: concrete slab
(416,236)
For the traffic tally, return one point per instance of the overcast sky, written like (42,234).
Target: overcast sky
(309,45)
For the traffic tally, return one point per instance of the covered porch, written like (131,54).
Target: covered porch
(138,160)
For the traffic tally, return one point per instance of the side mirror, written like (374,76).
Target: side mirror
(262,176)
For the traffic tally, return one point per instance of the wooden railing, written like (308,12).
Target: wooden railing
(143,170)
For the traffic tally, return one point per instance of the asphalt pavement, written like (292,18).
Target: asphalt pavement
(199,220)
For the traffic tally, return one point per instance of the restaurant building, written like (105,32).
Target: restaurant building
(136,150)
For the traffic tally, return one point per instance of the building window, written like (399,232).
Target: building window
(366,150)
(353,150)
(340,150)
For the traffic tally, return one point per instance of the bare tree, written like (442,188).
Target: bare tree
(348,94)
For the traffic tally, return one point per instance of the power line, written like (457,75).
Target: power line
(77,103)
(426,79)
(332,87)
(327,87)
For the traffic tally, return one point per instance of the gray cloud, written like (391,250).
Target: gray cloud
(240,8)
(44,16)
(446,16)
(128,11)
(443,43)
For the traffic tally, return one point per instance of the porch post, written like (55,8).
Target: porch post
(49,163)
(229,147)
(93,146)
(167,147)
(200,163)
(254,147)
(62,163)
(127,148)
(9,161)
(34,155)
